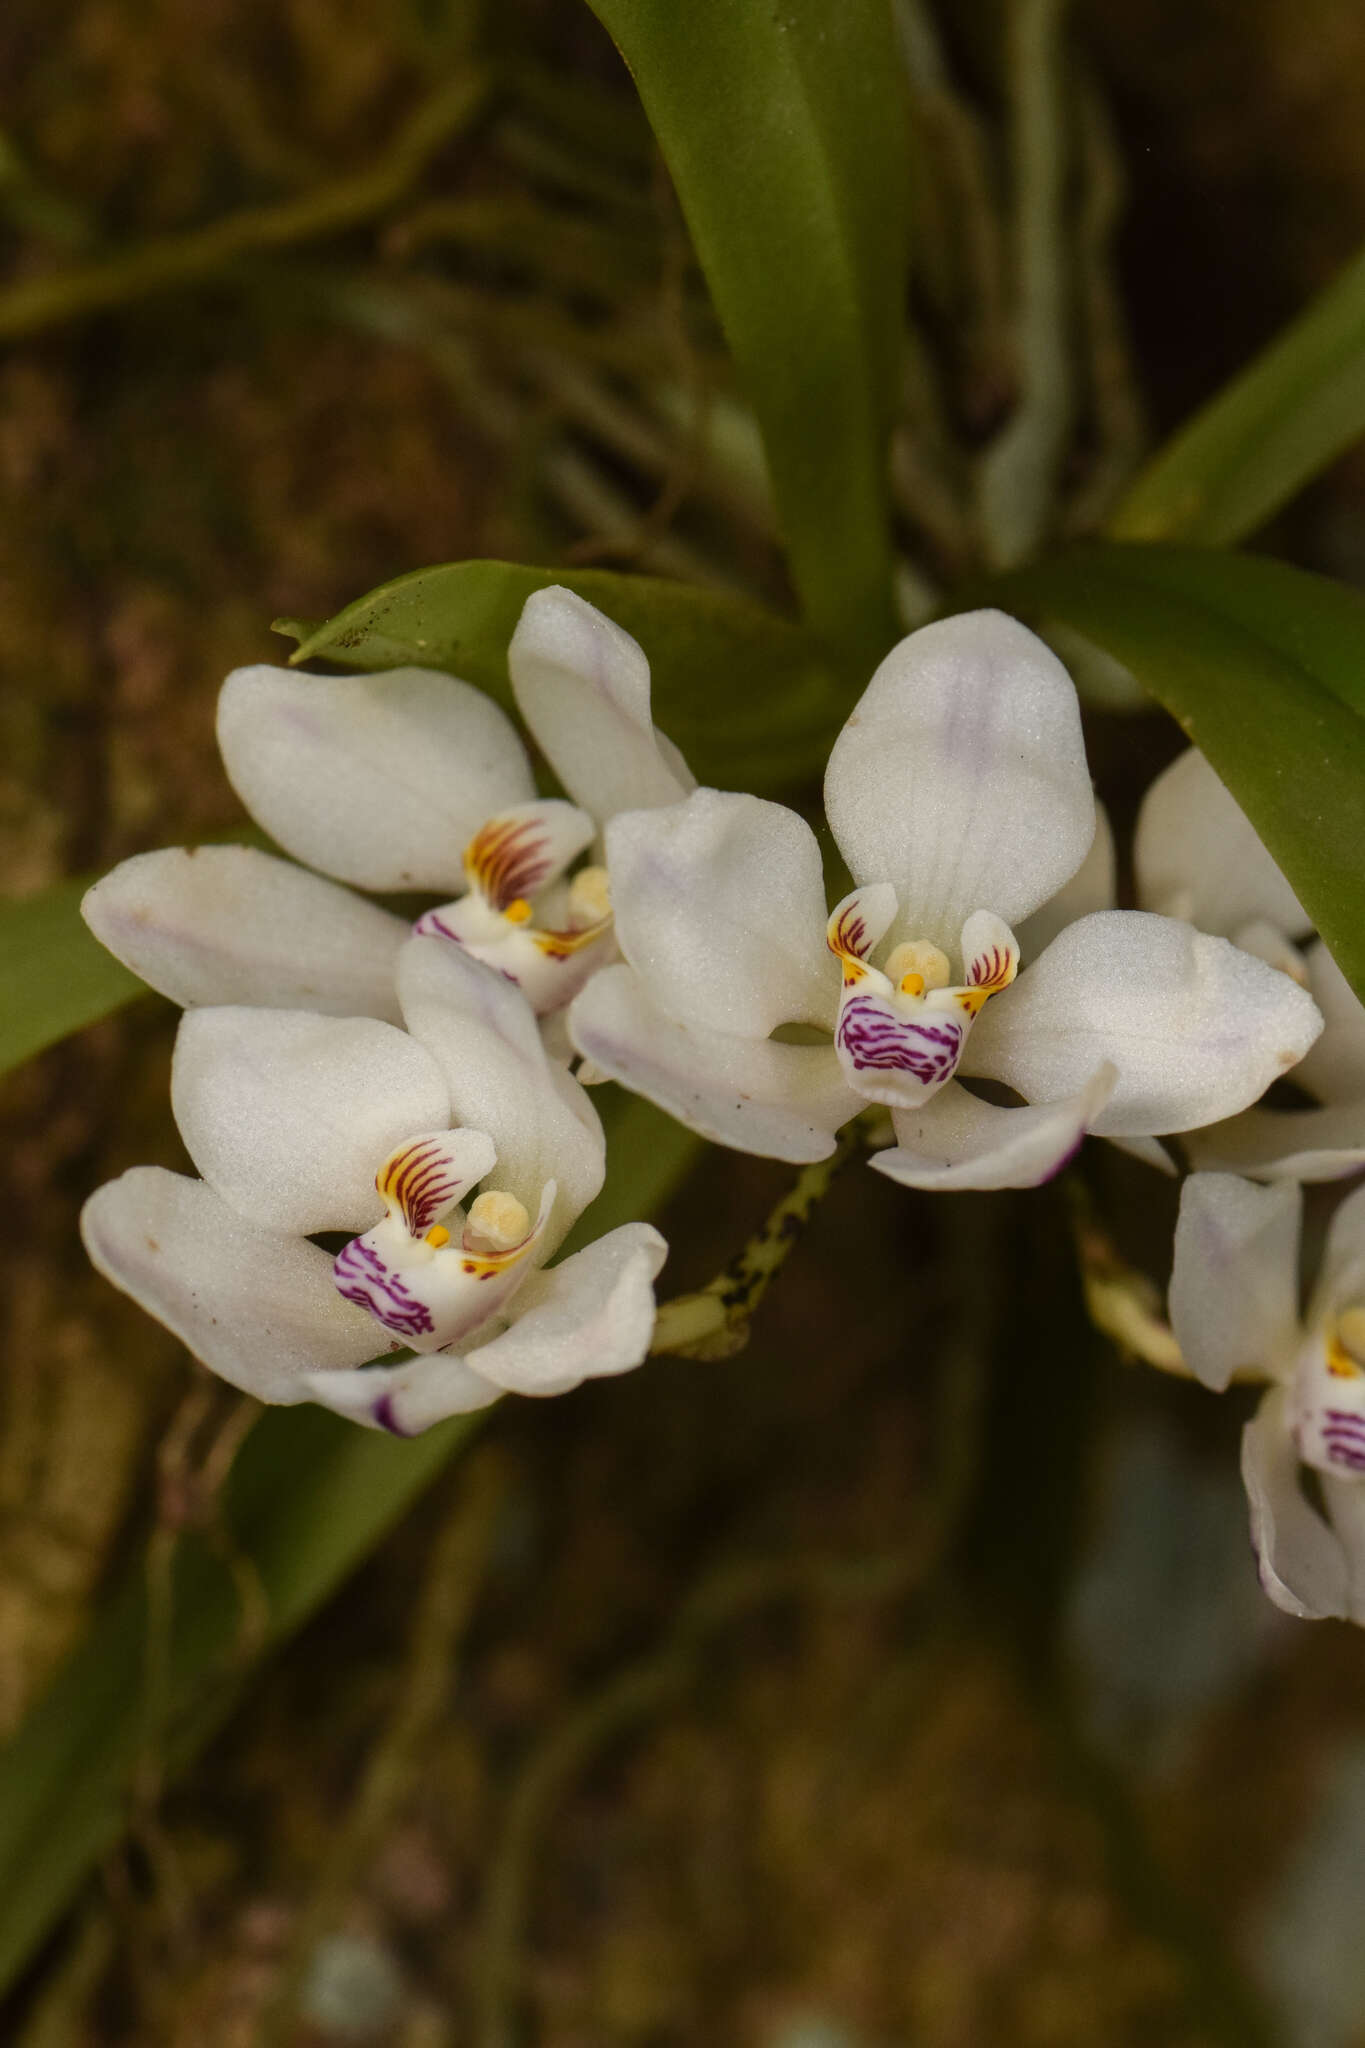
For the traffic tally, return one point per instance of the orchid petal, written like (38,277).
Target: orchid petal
(289,1115)
(1334,1070)
(260,1310)
(1234,1284)
(582,685)
(1199,857)
(482,1035)
(381,780)
(1094,886)
(1150,1151)
(960,776)
(589,1318)
(1301,1561)
(1341,1275)
(402,1399)
(1284,1144)
(720,904)
(518,852)
(780,1101)
(230,924)
(957,1141)
(1196,1029)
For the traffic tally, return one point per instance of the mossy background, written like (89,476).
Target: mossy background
(1034,1765)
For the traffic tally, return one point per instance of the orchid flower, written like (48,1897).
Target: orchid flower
(1234,1308)
(302,1123)
(959,797)
(1198,856)
(406,780)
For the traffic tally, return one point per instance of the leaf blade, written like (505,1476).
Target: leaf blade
(1285,417)
(784,129)
(59,978)
(746,695)
(1264,667)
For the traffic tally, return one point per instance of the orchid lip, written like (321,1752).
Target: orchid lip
(518,916)
(901,1029)
(433,1283)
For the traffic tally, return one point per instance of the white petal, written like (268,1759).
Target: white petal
(230,924)
(1094,886)
(403,1399)
(1284,1144)
(1198,856)
(582,685)
(1234,1297)
(483,1036)
(1301,1561)
(1196,1029)
(720,905)
(260,1310)
(781,1101)
(589,1318)
(957,1141)
(960,776)
(1341,1276)
(379,779)
(290,1115)
(1334,1070)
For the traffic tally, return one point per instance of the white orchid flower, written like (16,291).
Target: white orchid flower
(1234,1308)
(406,780)
(959,797)
(1198,856)
(302,1123)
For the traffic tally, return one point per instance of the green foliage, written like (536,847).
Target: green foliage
(743,693)
(58,975)
(308,1498)
(1264,666)
(1295,408)
(783,123)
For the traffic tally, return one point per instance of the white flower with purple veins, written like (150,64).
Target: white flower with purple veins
(959,797)
(303,1124)
(407,780)
(1234,1306)
(1198,856)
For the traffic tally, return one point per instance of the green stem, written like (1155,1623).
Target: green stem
(714,1322)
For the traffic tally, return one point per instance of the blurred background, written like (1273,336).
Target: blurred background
(903,1679)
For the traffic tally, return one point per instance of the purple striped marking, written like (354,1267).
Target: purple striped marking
(360,1275)
(874,1037)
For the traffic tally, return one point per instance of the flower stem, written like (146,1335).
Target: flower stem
(714,1322)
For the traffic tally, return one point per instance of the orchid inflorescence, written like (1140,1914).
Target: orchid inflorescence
(975,1000)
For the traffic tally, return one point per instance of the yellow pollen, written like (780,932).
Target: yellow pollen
(518,911)
(912,984)
(922,960)
(495,1223)
(437,1236)
(590,896)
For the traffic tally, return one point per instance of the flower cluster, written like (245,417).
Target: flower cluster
(344,1071)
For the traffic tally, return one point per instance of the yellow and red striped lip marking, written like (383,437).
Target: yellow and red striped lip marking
(846,937)
(507,860)
(419,1181)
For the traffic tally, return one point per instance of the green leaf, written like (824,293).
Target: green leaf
(58,976)
(1294,409)
(308,1498)
(783,124)
(744,694)
(1264,666)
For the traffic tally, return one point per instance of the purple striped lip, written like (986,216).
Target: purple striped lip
(360,1275)
(875,1038)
